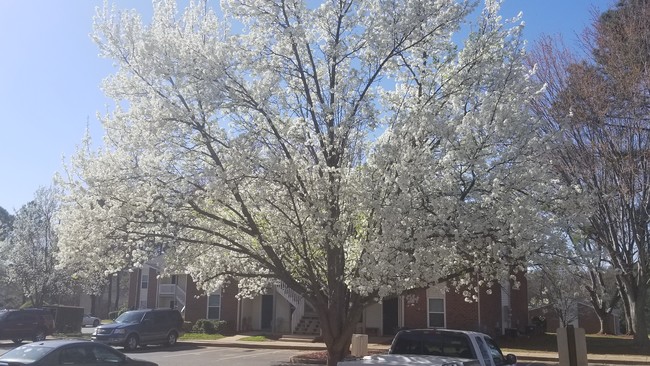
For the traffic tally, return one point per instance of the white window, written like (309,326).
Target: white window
(214,306)
(436,313)
(145,281)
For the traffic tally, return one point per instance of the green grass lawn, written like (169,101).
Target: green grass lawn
(596,344)
(200,336)
(259,338)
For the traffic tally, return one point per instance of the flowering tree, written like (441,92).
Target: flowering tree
(30,250)
(555,287)
(351,150)
(6,221)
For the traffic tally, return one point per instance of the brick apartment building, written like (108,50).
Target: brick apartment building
(280,310)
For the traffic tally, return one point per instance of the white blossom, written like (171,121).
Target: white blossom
(351,150)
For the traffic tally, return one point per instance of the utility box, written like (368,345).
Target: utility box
(572,346)
(359,346)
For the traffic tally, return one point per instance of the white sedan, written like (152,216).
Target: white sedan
(89,320)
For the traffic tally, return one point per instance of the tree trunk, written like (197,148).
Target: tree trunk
(602,315)
(93,305)
(117,292)
(639,319)
(602,325)
(338,315)
(110,293)
(337,342)
(627,309)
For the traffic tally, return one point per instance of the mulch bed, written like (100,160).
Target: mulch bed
(320,357)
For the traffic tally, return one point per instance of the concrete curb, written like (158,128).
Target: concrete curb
(267,345)
(298,346)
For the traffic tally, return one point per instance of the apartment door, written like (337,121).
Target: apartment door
(390,316)
(267,312)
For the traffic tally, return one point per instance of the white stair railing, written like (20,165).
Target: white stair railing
(180,296)
(294,299)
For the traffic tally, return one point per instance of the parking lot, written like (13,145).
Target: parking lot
(201,355)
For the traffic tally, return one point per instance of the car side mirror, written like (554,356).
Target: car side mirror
(511,359)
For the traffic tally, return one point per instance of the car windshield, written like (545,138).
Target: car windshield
(130,317)
(25,354)
(433,343)
(3,313)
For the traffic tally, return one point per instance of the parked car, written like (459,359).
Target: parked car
(89,320)
(141,327)
(18,325)
(68,352)
(435,347)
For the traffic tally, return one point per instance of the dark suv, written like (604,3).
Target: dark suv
(141,327)
(18,325)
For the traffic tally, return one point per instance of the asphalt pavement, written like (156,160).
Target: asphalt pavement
(380,344)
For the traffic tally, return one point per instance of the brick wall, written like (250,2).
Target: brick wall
(460,313)
(415,308)
(588,320)
(229,304)
(490,304)
(152,289)
(547,312)
(134,284)
(519,303)
(197,303)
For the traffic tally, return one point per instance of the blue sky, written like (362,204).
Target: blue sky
(50,76)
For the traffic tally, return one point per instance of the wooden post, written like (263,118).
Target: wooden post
(571,341)
(571,346)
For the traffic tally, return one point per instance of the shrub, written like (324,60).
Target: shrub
(114,314)
(208,326)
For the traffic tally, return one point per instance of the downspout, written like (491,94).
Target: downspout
(238,322)
(478,303)
(138,289)
(400,312)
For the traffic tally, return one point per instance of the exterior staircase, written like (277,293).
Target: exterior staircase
(308,325)
(176,291)
(301,323)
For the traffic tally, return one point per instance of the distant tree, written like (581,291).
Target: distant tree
(30,251)
(597,276)
(599,108)
(554,286)
(6,223)
(10,295)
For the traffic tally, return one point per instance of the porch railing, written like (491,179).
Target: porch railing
(296,300)
(175,290)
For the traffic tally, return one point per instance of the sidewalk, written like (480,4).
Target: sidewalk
(374,344)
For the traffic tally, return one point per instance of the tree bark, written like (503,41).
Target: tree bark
(337,338)
(110,293)
(93,305)
(626,306)
(602,325)
(117,292)
(639,320)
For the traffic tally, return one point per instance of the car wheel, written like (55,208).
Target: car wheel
(96,323)
(39,335)
(17,340)
(131,342)
(172,337)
